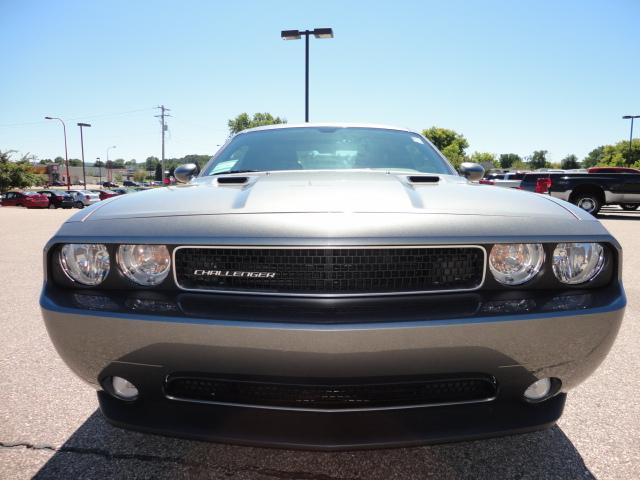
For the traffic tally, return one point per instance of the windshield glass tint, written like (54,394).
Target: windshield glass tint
(328,148)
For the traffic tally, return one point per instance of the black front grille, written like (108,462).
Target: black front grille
(338,396)
(329,271)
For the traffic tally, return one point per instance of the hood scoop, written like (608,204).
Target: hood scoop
(423,179)
(232,180)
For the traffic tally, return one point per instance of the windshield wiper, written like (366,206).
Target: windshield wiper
(236,171)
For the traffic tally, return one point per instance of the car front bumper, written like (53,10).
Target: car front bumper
(146,339)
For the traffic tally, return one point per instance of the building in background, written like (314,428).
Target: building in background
(58,172)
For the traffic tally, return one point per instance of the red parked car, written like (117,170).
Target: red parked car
(25,199)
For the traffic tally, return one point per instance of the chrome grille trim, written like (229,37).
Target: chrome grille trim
(326,295)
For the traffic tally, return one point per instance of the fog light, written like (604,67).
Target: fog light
(124,389)
(538,390)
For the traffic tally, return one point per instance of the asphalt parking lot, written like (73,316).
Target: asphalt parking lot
(50,426)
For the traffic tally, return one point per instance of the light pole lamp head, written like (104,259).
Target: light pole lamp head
(290,34)
(627,117)
(84,124)
(323,32)
(48,118)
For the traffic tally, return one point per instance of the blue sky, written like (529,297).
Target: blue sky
(511,76)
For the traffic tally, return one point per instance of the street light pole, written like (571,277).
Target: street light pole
(306,78)
(296,35)
(627,117)
(84,174)
(66,155)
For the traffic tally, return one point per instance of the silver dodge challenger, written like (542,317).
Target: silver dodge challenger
(332,286)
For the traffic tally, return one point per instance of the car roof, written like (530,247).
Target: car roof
(329,124)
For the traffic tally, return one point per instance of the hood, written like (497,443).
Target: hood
(330,192)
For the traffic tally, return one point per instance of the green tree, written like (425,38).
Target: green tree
(594,157)
(118,163)
(520,165)
(130,163)
(618,155)
(99,163)
(158,173)
(75,162)
(538,160)
(243,121)
(15,174)
(40,180)
(451,143)
(140,175)
(569,162)
(508,159)
(199,160)
(151,162)
(486,159)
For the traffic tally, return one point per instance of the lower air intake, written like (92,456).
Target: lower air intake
(334,396)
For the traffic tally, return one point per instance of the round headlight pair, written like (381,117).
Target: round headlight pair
(89,264)
(573,263)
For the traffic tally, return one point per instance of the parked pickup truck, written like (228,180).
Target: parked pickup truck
(589,191)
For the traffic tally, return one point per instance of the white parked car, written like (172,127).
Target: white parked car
(508,180)
(84,198)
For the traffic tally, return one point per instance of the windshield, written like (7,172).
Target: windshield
(328,148)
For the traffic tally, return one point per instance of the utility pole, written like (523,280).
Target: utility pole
(162,116)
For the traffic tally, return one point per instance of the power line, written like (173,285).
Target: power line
(84,117)
(102,115)
(162,117)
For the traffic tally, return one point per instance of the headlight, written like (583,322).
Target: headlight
(85,263)
(515,263)
(144,264)
(575,263)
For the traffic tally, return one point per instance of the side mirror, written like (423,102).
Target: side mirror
(184,173)
(471,171)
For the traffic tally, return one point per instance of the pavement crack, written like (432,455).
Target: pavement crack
(30,446)
(228,469)
(93,451)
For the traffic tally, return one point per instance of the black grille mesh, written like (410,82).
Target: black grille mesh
(328,397)
(330,270)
